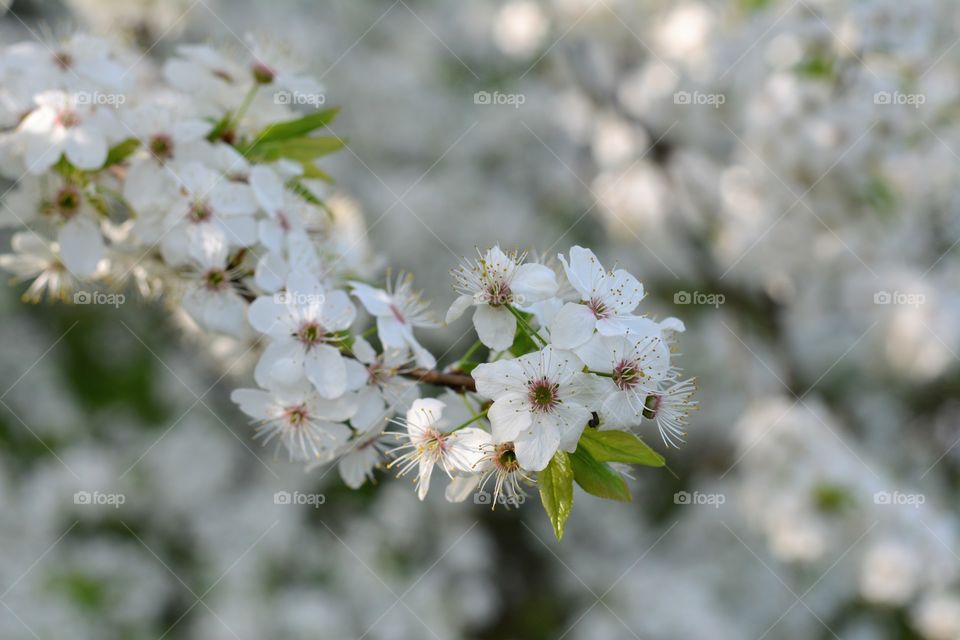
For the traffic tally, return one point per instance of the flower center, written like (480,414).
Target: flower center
(199,212)
(543,394)
(504,458)
(627,375)
(295,415)
(599,308)
(63,60)
(263,74)
(310,334)
(215,279)
(651,406)
(498,293)
(68,118)
(161,146)
(68,201)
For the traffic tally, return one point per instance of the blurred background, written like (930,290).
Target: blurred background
(780,174)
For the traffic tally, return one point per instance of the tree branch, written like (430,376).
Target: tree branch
(455,381)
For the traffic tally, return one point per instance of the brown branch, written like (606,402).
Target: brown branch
(455,381)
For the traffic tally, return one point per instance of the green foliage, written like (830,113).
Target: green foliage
(619,446)
(297,128)
(120,152)
(556,491)
(598,478)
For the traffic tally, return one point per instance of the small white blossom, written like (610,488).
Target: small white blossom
(398,310)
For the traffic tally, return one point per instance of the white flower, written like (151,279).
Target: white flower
(634,369)
(499,462)
(211,79)
(61,126)
(303,323)
(495,281)
(670,409)
(364,452)
(398,310)
(208,199)
(309,427)
(429,443)
(382,375)
(539,403)
(273,65)
(35,258)
(78,63)
(212,299)
(607,299)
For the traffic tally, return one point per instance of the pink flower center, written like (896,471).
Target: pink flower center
(543,395)
(310,334)
(295,415)
(161,146)
(599,308)
(199,212)
(67,118)
(215,280)
(627,374)
(499,293)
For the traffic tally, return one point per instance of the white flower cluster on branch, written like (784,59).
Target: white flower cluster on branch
(198,182)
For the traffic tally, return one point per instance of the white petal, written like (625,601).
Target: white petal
(81,246)
(270,273)
(495,379)
(424,414)
(461,487)
(86,149)
(390,332)
(267,187)
(459,305)
(325,369)
(623,292)
(376,301)
(509,416)
(232,199)
(584,271)
(270,316)
(338,312)
(281,362)
(572,326)
(535,447)
(256,403)
(533,282)
(357,465)
(495,327)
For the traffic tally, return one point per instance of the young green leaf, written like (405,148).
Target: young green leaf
(120,152)
(299,149)
(597,478)
(298,127)
(556,491)
(619,446)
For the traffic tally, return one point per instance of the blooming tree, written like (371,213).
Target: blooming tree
(200,183)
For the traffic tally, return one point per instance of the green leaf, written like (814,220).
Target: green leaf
(597,478)
(556,491)
(121,151)
(299,149)
(310,170)
(619,446)
(297,128)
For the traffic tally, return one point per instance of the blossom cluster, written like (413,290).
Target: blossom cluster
(199,182)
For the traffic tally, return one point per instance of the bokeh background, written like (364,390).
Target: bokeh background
(781,174)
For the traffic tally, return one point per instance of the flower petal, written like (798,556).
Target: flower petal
(572,326)
(325,369)
(509,415)
(532,283)
(495,327)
